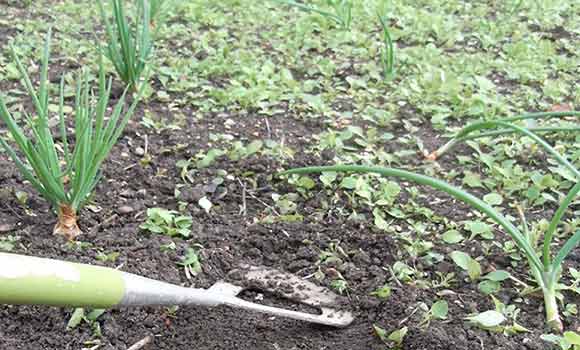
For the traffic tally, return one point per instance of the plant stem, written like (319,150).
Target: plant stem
(453,142)
(67,222)
(464,133)
(542,115)
(551,304)
(547,148)
(509,131)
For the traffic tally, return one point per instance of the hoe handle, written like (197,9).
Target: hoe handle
(26,280)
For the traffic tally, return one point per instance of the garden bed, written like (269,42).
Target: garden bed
(246,225)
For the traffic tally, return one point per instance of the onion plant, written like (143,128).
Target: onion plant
(507,126)
(129,43)
(388,52)
(158,10)
(342,11)
(545,267)
(63,177)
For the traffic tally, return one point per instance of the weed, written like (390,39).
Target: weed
(81,315)
(167,222)
(190,262)
(545,269)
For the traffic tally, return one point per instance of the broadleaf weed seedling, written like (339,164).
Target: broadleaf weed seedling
(167,222)
(569,341)
(495,320)
(191,262)
(438,311)
(544,266)
(81,315)
(66,188)
(395,338)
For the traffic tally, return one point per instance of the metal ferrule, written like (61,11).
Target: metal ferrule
(144,291)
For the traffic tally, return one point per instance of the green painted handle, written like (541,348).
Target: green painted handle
(28,280)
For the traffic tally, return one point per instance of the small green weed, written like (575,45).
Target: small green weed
(190,262)
(167,222)
(546,271)
(81,315)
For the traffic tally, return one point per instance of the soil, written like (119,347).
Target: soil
(231,238)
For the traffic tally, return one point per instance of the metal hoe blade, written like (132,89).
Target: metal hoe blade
(288,286)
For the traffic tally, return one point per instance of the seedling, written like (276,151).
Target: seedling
(167,222)
(190,263)
(402,272)
(491,283)
(66,188)
(158,10)
(339,284)
(570,310)
(511,313)
(343,9)
(437,311)
(487,320)
(569,341)
(494,320)
(8,243)
(129,44)
(396,337)
(383,292)
(467,263)
(445,280)
(108,257)
(81,315)
(575,280)
(334,254)
(544,267)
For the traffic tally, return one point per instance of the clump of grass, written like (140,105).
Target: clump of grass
(130,43)
(66,183)
(544,266)
(342,14)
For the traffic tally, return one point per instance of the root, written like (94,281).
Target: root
(67,223)
(431,156)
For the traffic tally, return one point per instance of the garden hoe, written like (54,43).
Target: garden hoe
(28,280)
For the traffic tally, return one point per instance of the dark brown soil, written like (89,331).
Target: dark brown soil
(231,237)
(228,239)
